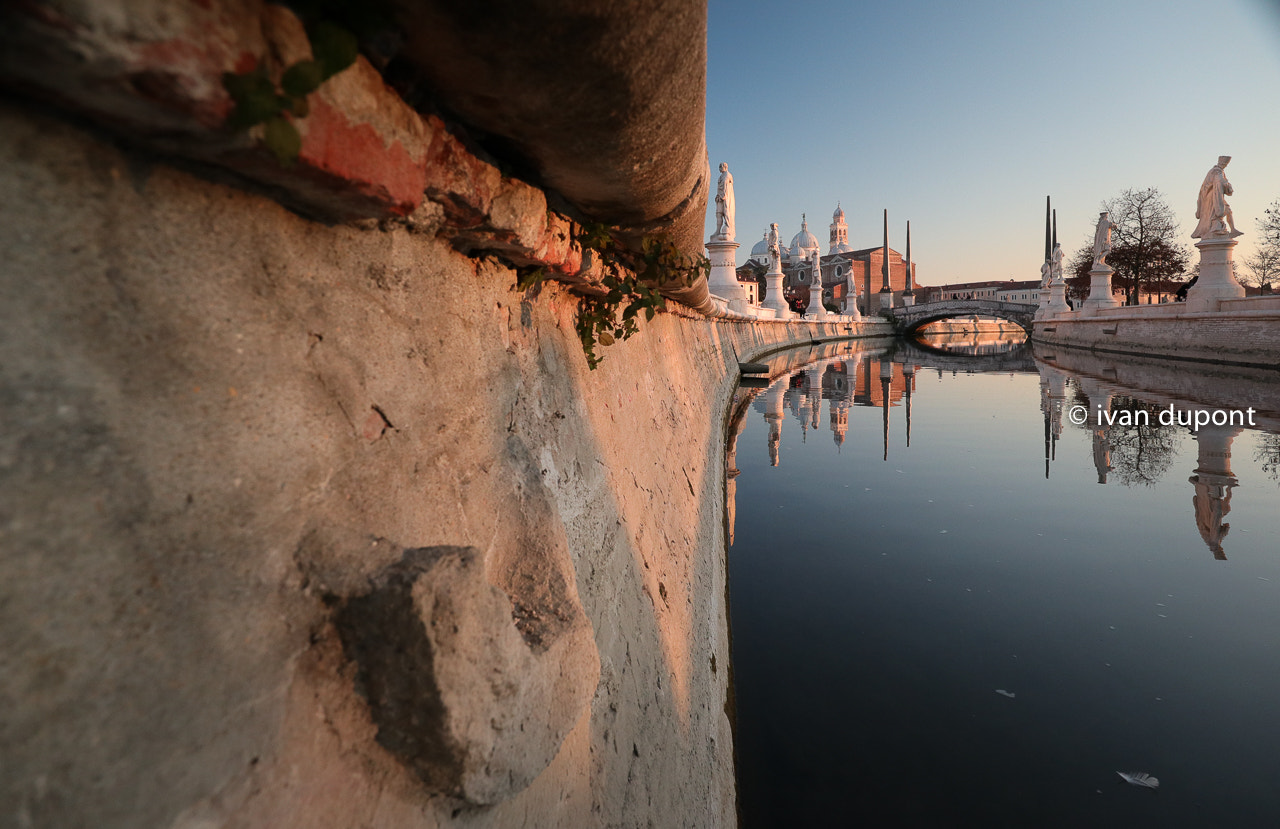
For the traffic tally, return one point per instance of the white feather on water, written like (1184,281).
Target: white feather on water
(1139,778)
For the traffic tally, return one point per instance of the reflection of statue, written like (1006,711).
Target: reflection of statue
(1211,503)
(1102,239)
(724,204)
(1211,208)
(775,254)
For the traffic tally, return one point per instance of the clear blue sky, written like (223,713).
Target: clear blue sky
(962,117)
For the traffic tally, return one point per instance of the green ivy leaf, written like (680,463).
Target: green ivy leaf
(282,139)
(303,78)
(255,97)
(333,47)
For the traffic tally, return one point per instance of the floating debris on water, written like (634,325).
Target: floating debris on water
(1140,778)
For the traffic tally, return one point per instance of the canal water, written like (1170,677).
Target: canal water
(969,585)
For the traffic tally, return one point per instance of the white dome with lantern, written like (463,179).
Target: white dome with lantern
(803,243)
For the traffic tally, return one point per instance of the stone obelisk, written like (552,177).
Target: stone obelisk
(886,292)
(908,296)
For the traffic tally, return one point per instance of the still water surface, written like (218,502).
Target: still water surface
(962,609)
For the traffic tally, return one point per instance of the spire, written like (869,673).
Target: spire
(1048,246)
(885,259)
(907,290)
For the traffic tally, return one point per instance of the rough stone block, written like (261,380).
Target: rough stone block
(472,690)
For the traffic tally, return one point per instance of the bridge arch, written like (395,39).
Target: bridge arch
(911,319)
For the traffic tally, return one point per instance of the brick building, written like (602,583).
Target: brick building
(843,269)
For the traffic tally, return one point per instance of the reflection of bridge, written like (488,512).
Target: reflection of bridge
(910,318)
(1015,358)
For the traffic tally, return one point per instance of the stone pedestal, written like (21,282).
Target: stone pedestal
(886,300)
(773,298)
(1216,281)
(723,281)
(908,300)
(1053,300)
(851,307)
(1100,295)
(814,309)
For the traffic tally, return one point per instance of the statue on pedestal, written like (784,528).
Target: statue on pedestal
(1046,274)
(724,205)
(1211,207)
(775,252)
(1102,239)
(1055,272)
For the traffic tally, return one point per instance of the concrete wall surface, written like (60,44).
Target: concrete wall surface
(265,482)
(312,525)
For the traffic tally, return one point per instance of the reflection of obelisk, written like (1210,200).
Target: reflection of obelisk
(1213,482)
(886,377)
(908,380)
(1053,391)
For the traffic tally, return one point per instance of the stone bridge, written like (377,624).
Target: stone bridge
(909,319)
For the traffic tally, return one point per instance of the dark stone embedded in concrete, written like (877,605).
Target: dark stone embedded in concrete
(472,689)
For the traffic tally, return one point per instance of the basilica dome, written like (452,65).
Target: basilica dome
(760,252)
(803,242)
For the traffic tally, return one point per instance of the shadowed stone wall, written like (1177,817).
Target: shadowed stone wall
(265,481)
(325,526)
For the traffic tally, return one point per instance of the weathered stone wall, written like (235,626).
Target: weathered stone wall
(1240,337)
(323,526)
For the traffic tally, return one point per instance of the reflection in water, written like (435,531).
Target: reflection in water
(1139,448)
(1138,410)
(881,598)
(974,343)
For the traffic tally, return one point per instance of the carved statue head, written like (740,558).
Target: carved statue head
(1223,160)
(724,166)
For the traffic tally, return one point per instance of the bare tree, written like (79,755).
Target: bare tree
(1144,245)
(1264,265)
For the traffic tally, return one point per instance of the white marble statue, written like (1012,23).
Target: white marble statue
(775,249)
(1046,273)
(1102,239)
(1056,270)
(1211,207)
(724,204)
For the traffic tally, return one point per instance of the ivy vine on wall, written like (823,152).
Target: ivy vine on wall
(259,100)
(633,282)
